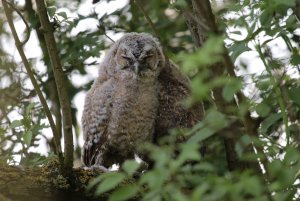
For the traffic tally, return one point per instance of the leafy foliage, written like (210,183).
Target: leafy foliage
(180,172)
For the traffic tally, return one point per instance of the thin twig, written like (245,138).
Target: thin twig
(137,2)
(151,24)
(23,19)
(278,93)
(31,76)
(108,37)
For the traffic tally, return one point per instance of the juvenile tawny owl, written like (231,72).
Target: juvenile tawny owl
(121,107)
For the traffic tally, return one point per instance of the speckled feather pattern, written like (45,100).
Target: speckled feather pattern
(121,107)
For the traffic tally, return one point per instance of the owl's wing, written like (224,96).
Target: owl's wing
(95,120)
(174,89)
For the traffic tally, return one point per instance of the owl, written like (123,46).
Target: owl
(121,107)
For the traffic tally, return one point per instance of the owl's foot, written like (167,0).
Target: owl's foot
(99,168)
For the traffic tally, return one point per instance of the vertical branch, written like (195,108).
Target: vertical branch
(202,15)
(203,9)
(61,86)
(19,45)
(279,95)
(51,85)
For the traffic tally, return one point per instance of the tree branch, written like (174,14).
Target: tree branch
(152,26)
(19,45)
(61,86)
(202,10)
(50,82)
(45,183)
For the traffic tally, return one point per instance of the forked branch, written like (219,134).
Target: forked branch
(60,83)
(8,12)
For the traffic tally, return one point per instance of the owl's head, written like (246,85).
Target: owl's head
(137,53)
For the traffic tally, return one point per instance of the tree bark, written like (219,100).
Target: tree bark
(61,86)
(50,84)
(201,22)
(45,183)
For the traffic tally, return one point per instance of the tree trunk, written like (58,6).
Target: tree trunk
(201,22)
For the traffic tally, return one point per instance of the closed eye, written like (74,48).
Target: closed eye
(148,56)
(126,57)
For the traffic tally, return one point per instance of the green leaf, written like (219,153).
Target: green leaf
(266,18)
(202,135)
(30,107)
(63,15)
(285,2)
(295,59)
(209,53)
(130,166)
(230,89)
(216,120)
(15,124)
(273,118)
(51,11)
(124,193)
(236,49)
(27,137)
(294,94)
(190,151)
(110,181)
(94,182)
(263,109)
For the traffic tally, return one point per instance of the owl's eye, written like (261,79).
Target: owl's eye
(147,56)
(126,57)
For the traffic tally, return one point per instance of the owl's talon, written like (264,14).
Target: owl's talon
(99,168)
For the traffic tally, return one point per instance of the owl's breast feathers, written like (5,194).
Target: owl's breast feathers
(119,115)
(133,114)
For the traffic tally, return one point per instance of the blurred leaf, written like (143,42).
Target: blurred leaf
(51,11)
(16,123)
(109,181)
(232,87)
(236,49)
(130,166)
(295,59)
(124,193)
(208,54)
(27,137)
(63,15)
(269,121)
(30,107)
(202,135)
(263,109)
(189,151)
(294,94)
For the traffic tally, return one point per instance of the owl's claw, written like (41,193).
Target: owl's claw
(99,168)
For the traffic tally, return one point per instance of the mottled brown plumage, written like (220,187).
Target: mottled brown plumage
(174,89)
(121,107)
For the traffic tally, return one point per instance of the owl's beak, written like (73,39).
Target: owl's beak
(136,67)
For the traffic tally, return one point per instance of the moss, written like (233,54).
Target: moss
(45,183)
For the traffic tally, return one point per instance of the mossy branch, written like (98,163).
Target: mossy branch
(45,183)
(30,73)
(60,83)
